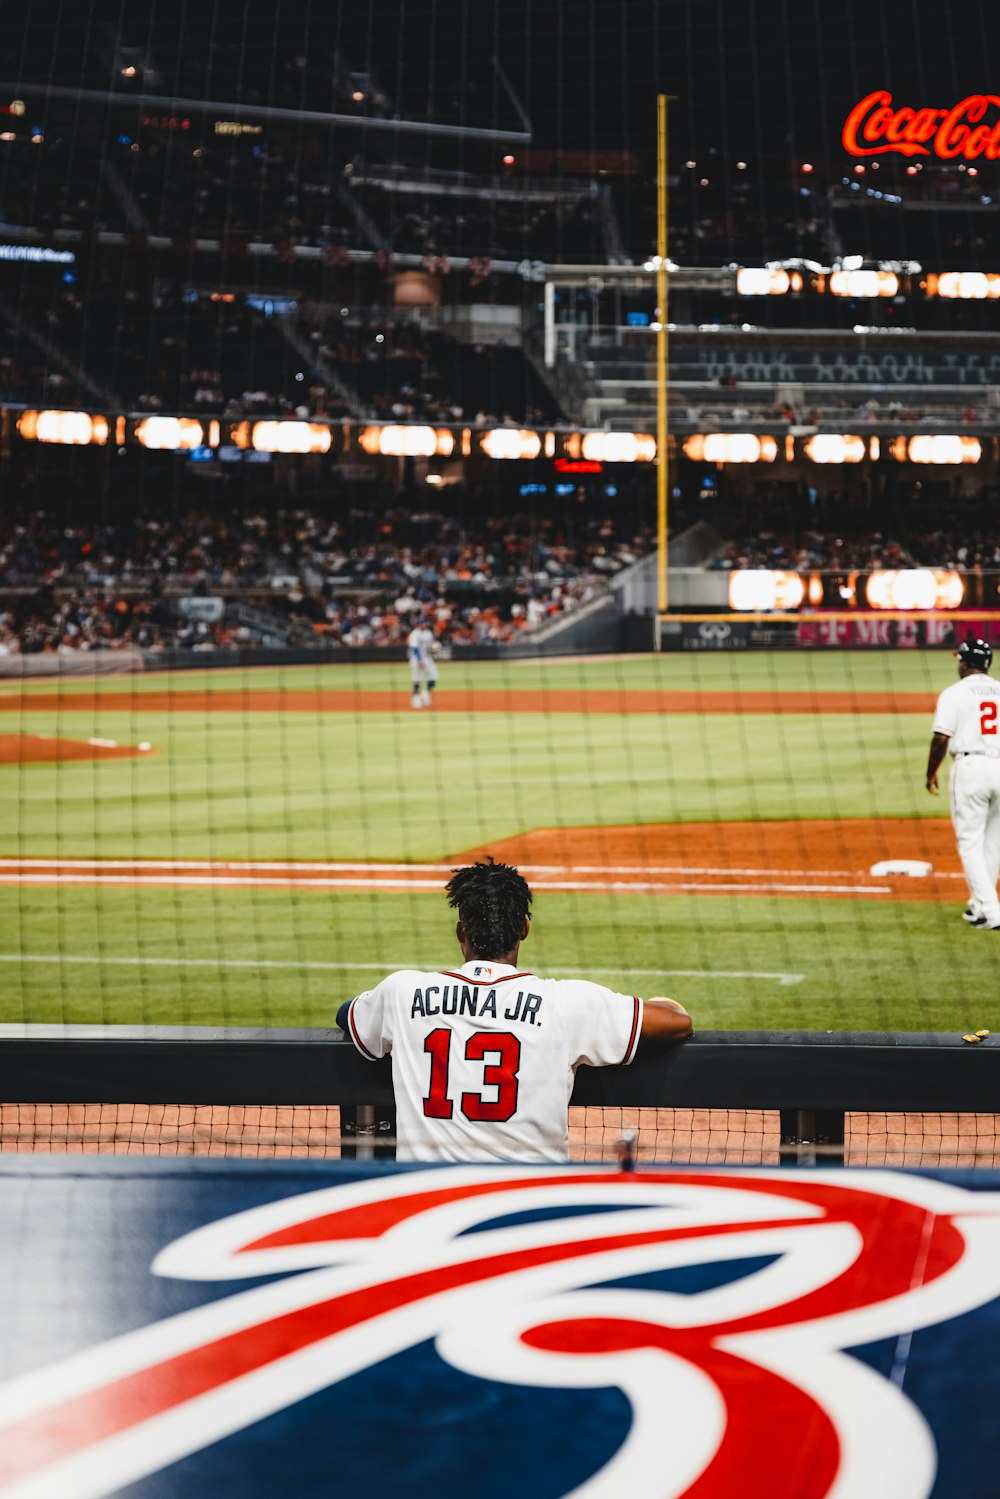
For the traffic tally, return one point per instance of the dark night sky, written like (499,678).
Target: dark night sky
(763,78)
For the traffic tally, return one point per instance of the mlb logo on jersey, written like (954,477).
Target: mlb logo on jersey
(664,1333)
(482,972)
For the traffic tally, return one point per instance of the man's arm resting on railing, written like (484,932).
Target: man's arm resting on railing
(664,1021)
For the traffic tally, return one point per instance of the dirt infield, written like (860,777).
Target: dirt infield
(795,859)
(516,700)
(42,749)
(829,857)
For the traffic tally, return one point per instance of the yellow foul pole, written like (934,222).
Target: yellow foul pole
(662,476)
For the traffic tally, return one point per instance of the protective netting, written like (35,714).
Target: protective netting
(662,1136)
(323,325)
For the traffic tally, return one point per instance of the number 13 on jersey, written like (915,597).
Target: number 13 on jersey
(499,1051)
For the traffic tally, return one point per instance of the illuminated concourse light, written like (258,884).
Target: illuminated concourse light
(290,437)
(505,442)
(878,590)
(829,447)
(758,281)
(171,433)
(815,590)
(759,590)
(789,590)
(939,448)
(753,590)
(964,285)
(69,428)
(731,447)
(864,283)
(407,442)
(915,588)
(618,447)
(950,589)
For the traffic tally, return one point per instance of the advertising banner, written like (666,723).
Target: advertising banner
(175,1328)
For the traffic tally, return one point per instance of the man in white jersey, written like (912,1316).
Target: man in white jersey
(483,1057)
(966,727)
(420,648)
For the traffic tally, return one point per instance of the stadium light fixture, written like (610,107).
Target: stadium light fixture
(618,447)
(76,429)
(963,285)
(407,442)
(730,447)
(759,590)
(937,448)
(506,442)
(170,433)
(290,437)
(854,283)
(759,281)
(914,588)
(831,447)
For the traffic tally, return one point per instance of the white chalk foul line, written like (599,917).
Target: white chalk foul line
(224,881)
(375,868)
(70,960)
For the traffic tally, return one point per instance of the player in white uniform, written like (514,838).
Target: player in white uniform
(483,1057)
(967,726)
(420,649)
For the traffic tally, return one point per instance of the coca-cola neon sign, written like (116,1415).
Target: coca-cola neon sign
(874,127)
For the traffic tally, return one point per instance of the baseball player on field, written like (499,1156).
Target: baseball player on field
(967,726)
(483,1056)
(420,650)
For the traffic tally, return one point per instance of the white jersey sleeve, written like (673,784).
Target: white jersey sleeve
(946,713)
(369,1021)
(602,1026)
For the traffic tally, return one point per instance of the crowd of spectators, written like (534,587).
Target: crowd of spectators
(397,369)
(275,190)
(362,578)
(843,416)
(220,354)
(867,551)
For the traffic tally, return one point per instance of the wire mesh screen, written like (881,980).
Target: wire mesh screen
(331,501)
(643,1135)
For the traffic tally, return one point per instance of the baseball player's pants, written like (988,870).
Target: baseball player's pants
(974,788)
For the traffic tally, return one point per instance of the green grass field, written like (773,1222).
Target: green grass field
(422,787)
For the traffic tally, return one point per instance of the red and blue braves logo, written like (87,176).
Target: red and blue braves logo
(544,1279)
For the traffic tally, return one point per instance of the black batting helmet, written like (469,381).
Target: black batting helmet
(975,653)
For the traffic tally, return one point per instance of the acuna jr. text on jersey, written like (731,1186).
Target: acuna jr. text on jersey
(465,999)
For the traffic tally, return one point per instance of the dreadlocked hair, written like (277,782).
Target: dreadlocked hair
(493,902)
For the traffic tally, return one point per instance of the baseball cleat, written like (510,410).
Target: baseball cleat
(970,916)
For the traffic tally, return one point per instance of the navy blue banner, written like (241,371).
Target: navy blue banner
(175,1328)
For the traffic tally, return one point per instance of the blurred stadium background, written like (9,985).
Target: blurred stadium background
(321,322)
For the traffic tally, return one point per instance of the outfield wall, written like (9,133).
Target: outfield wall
(866,631)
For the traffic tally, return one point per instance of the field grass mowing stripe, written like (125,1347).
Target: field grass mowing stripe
(389,966)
